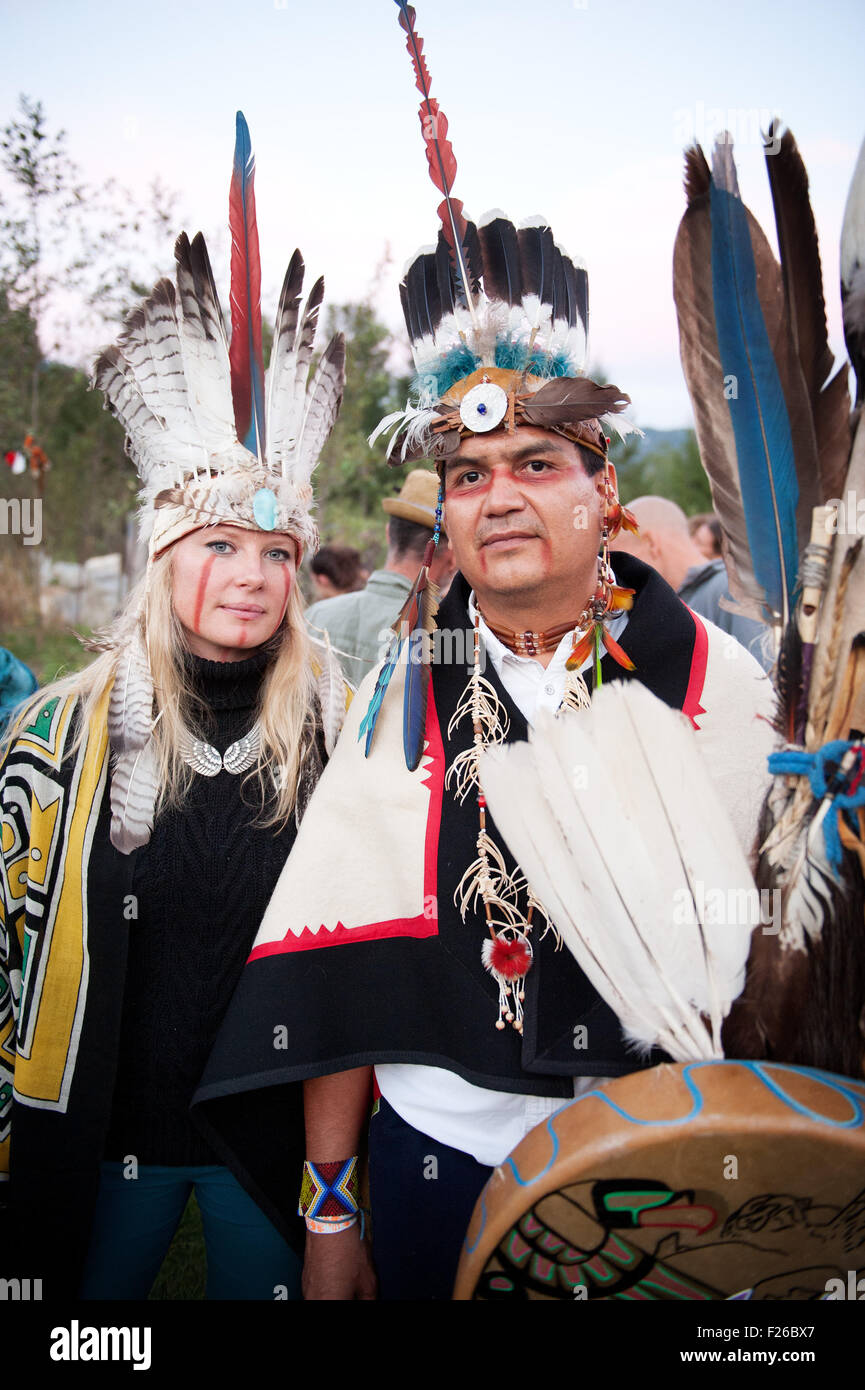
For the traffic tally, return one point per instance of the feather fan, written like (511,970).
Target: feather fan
(616,824)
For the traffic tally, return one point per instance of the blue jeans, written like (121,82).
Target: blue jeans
(422,1195)
(135,1220)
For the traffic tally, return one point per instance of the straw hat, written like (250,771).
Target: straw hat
(417,499)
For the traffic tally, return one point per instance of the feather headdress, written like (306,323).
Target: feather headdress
(213,441)
(497,317)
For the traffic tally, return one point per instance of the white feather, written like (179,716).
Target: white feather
(331,688)
(130,704)
(323,401)
(613,818)
(133,798)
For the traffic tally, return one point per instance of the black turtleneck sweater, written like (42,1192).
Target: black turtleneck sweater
(202,885)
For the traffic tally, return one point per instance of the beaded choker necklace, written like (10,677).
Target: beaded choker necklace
(531,643)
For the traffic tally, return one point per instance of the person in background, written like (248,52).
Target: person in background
(336,569)
(665,543)
(358,624)
(705,532)
(17,681)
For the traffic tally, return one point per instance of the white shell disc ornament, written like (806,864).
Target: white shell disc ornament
(484,407)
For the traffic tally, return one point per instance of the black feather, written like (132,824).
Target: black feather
(448,295)
(569,271)
(501,255)
(582,282)
(473,258)
(424,298)
(536,262)
(407,309)
(560,290)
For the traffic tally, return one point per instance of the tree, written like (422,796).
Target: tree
(672,472)
(351,478)
(96,244)
(36,224)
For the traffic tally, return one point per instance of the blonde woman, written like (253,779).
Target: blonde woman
(148,805)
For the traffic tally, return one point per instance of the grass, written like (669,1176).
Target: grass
(48,651)
(184,1270)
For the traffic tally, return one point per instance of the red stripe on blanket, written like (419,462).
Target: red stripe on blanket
(697,679)
(423,925)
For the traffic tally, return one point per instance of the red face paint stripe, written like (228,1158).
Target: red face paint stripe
(202,589)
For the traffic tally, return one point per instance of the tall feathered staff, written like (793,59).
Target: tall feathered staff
(774,434)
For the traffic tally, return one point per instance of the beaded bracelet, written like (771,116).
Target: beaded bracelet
(329,1228)
(329,1196)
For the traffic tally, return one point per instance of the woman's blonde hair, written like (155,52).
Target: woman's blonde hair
(286,711)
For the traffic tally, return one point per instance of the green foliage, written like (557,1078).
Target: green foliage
(57,235)
(19,359)
(351,478)
(672,472)
(50,652)
(91,486)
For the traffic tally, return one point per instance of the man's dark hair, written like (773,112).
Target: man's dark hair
(341,564)
(592,462)
(408,537)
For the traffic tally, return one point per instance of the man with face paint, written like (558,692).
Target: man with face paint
(152,801)
(407,934)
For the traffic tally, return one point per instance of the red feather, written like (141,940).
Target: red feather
(439,151)
(245,354)
(414,44)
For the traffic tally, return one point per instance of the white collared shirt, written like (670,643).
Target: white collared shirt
(485,1123)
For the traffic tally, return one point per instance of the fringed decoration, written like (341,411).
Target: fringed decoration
(507,955)
(576,694)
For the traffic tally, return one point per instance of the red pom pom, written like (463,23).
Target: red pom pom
(509,958)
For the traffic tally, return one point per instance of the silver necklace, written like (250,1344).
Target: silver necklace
(238,757)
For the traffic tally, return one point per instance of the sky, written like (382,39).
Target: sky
(576,109)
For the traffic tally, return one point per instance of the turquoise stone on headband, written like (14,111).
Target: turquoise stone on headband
(264,509)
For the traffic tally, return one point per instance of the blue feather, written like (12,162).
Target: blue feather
(385,676)
(758,411)
(417,677)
